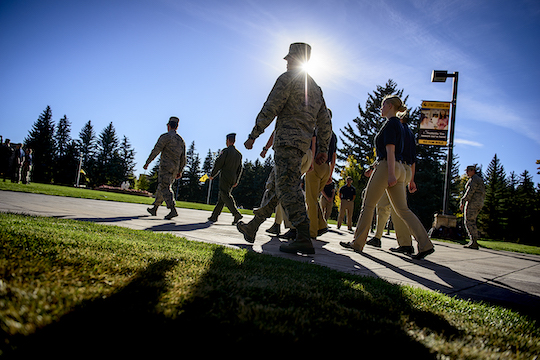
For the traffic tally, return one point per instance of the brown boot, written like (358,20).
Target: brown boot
(302,244)
(249,230)
(172,214)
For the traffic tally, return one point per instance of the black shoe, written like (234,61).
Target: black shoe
(423,254)
(212,219)
(403,249)
(236,219)
(322,231)
(152,210)
(374,242)
(348,245)
(289,235)
(274,229)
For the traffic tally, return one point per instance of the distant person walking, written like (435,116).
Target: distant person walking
(5,159)
(347,195)
(27,167)
(471,203)
(298,103)
(173,159)
(327,199)
(229,167)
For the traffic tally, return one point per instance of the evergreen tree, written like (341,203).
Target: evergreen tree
(126,154)
(108,169)
(87,148)
(357,139)
(492,217)
(189,188)
(525,231)
(62,137)
(66,157)
(41,140)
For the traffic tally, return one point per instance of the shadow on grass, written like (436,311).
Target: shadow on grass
(258,304)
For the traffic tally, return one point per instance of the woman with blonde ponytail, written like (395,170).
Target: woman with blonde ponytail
(389,176)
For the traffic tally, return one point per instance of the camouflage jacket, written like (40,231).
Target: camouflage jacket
(173,152)
(299,111)
(475,191)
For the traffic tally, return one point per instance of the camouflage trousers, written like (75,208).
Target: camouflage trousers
(164,189)
(284,187)
(470,213)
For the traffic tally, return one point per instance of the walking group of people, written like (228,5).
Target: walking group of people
(16,162)
(304,143)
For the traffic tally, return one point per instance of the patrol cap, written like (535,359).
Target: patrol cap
(231,137)
(471,168)
(173,121)
(300,51)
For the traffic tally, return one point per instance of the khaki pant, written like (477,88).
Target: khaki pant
(385,210)
(376,187)
(326,207)
(346,206)
(315,182)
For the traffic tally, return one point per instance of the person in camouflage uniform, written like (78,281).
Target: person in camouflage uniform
(298,103)
(229,167)
(173,159)
(471,203)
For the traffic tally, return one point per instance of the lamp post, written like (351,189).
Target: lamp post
(441,76)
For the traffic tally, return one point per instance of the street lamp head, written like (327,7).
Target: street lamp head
(439,76)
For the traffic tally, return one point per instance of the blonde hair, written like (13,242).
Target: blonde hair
(401,109)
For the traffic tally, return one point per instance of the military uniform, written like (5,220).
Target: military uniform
(229,167)
(298,103)
(472,202)
(173,159)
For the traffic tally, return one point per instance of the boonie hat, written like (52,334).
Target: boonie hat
(301,51)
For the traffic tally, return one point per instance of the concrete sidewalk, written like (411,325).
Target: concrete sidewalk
(505,278)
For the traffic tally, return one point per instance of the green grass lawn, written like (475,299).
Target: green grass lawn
(75,289)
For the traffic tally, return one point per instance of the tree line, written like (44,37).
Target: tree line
(103,158)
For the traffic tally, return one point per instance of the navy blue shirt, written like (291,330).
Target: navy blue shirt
(391,133)
(409,146)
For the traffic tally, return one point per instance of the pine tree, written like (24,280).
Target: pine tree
(66,157)
(41,140)
(108,168)
(358,140)
(87,148)
(126,154)
(527,211)
(492,217)
(62,137)
(189,187)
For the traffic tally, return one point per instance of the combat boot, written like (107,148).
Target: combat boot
(302,244)
(153,210)
(249,230)
(274,229)
(172,214)
(472,245)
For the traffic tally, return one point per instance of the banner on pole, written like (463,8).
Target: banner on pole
(434,120)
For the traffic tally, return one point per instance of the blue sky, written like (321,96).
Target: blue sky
(213,63)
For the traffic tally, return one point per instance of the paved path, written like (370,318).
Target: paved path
(506,278)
